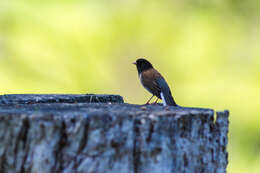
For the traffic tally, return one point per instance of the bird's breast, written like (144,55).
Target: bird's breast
(144,83)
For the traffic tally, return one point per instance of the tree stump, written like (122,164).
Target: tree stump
(51,134)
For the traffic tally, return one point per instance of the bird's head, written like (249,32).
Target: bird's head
(142,65)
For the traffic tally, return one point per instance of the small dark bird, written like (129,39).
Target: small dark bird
(153,81)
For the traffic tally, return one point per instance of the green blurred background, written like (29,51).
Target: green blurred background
(209,52)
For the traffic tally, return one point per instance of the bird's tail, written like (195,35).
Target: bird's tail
(166,94)
(167,100)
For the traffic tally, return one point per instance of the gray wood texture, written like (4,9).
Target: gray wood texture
(110,137)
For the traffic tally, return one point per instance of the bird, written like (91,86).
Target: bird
(154,82)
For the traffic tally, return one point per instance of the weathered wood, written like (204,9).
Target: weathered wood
(59,98)
(118,138)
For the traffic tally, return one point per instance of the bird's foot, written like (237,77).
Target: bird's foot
(154,103)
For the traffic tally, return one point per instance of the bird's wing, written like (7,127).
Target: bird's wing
(154,82)
(166,94)
(148,80)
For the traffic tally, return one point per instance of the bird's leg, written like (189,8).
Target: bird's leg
(148,102)
(156,101)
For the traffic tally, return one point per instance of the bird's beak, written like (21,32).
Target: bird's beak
(134,63)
